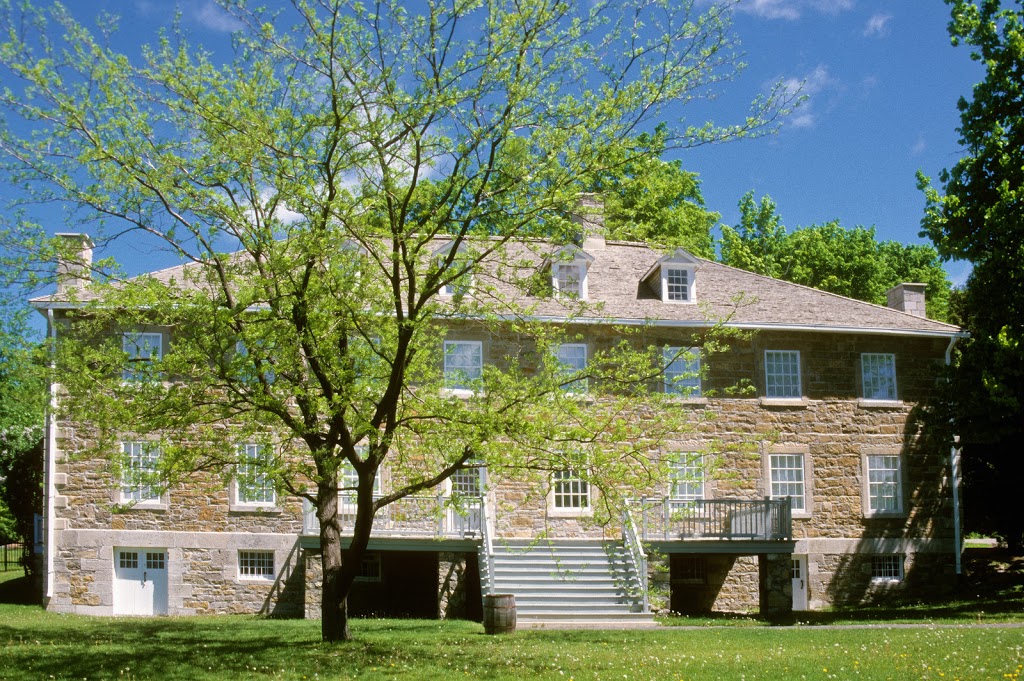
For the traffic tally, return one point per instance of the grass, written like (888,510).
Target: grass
(35,644)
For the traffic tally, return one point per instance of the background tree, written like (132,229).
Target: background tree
(649,199)
(979,216)
(830,257)
(336,152)
(22,399)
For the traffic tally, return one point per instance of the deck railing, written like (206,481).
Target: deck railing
(413,516)
(668,519)
(637,555)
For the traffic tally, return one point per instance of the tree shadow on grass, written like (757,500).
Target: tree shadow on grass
(18,591)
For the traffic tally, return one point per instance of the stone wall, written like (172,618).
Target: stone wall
(831,427)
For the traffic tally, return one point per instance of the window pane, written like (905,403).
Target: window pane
(463,364)
(887,567)
(782,373)
(569,279)
(884,483)
(573,359)
(259,564)
(468,482)
(682,371)
(138,470)
(570,490)
(254,484)
(677,284)
(879,372)
(142,350)
(787,478)
(687,477)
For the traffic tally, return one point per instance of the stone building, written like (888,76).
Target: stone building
(817,486)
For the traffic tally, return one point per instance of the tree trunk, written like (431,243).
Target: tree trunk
(340,573)
(333,601)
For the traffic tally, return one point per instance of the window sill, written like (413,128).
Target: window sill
(461,393)
(784,402)
(864,403)
(570,512)
(265,579)
(882,515)
(152,506)
(695,400)
(267,509)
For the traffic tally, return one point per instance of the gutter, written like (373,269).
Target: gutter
(954,464)
(649,323)
(50,460)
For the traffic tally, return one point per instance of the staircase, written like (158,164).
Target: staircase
(569,583)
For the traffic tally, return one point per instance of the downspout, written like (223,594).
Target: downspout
(50,465)
(954,464)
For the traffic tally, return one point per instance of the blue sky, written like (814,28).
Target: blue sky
(881,80)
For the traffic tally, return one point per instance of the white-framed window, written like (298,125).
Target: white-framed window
(572,358)
(686,476)
(463,365)
(884,483)
(142,349)
(460,286)
(676,283)
(349,481)
(782,373)
(878,371)
(569,491)
(468,482)
(887,567)
(248,372)
(682,371)
(786,472)
(139,462)
(569,279)
(252,482)
(255,564)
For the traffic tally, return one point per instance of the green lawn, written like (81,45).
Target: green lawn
(38,645)
(35,644)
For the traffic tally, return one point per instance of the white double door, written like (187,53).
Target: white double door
(140,581)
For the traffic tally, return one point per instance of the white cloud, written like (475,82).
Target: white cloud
(210,16)
(877,26)
(791,10)
(919,146)
(809,87)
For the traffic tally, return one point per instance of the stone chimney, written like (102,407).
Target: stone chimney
(590,217)
(74,261)
(907,298)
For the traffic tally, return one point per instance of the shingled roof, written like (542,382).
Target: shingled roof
(618,294)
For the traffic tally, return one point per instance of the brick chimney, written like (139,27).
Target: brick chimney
(74,261)
(590,217)
(907,298)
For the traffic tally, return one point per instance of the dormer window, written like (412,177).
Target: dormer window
(457,284)
(569,272)
(675,284)
(673,277)
(568,279)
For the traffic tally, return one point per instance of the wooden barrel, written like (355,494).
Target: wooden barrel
(499,613)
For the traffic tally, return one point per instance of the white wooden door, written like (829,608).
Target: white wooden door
(140,581)
(799,575)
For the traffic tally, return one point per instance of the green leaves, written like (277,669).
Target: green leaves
(849,262)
